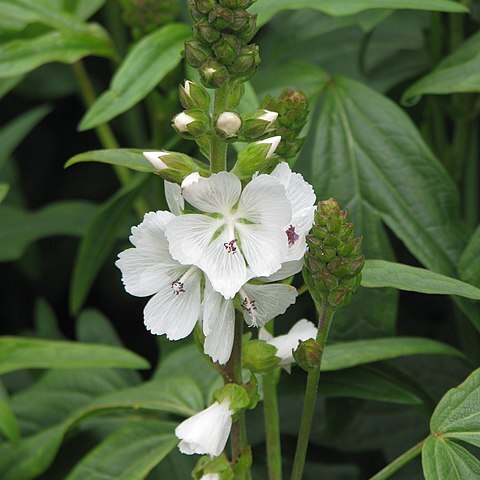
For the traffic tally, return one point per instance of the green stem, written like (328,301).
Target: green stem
(324,322)
(218,146)
(272,425)
(399,462)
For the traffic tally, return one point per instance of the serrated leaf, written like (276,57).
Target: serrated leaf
(359,352)
(459,72)
(124,157)
(266,9)
(129,453)
(19,228)
(458,413)
(469,263)
(445,460)
(143,68)
(379,273)
(22,56)
(17,353)
(100,239)
(8,423)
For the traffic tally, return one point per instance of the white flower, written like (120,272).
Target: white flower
(259,303)
(238,228)
(211,476)
(273,142)
(206,433)
(302,330)
(148,269)
(182,120)
(229,123)
(268,116)
(186,87)
(155,158)
(302,199)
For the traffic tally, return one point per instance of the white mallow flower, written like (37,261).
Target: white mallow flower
(182,120)
(302,199)
(155,158)
(206,433)
(285,344)
(238,228)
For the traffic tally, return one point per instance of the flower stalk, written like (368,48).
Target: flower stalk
(218,146)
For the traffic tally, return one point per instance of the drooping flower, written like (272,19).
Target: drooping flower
(285,344)
(302,199)
(238,228)
(206,433)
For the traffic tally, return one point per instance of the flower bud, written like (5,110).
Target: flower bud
(204,32)
(220,17)
(193,95)
(204,6)
(246,62)
(191,123)
(245,27)
(259,356)
(213,74)
(258,123)
(236,93)
(196,53)
(174,166)
(228,125)
(236,3)
(307,355)
(227,49)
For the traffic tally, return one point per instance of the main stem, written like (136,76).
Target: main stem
(399,462)
(218,146)
(272,425)
(324,322)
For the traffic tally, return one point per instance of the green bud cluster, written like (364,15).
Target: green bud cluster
(219,48)
(333,263)
(307,355)
(144,16)
(292,108)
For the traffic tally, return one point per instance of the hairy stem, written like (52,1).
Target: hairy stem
(324,322)
(399,462)
(218,146)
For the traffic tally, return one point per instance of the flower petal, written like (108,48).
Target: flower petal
(287,270)
(269,301)
(216,194)
(171,313)
(218,325)
(144,266)
(175,200)
(190,235)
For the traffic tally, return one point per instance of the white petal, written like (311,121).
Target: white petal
(216,194)
(264,201)
(207,431)
(211,476)
(264,334)
(273,142)
(172,314)
(287,270)
(190,235)
(144,267)
(300,193)
(270,301)
(193,177)
(302,222)
(182,120)
(302,330)
(218,325)
(173,195)
(265,247)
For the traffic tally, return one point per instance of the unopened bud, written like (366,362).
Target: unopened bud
(196,53)
(307,355)
(247,61)
(191,123)
(228,125)
(193,95)
(204,32)
(236,93)
(155,158)
(236,3)
(220,17)
(245,28)
(272,142)
(258,123)
(227,49)
(204,6)
(259,356)
(213,74)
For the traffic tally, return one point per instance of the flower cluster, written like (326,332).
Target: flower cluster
(224,256)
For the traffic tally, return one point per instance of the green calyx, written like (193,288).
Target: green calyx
(333,262)
(307,355)
(219,465)
(259,356)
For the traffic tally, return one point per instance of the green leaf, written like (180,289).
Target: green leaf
(458,413)
(93,327)
(445,460)
(18,228)
(358,352)
(100,239)
(266,9)
(459,72)
(469,263)
(379,273)
(4,188)
(8,423)
(46,323)
(371,157)
(15,131)
(124,157)
(129,453)
(17,353)
(7,84)
(22,56)
(143,68)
